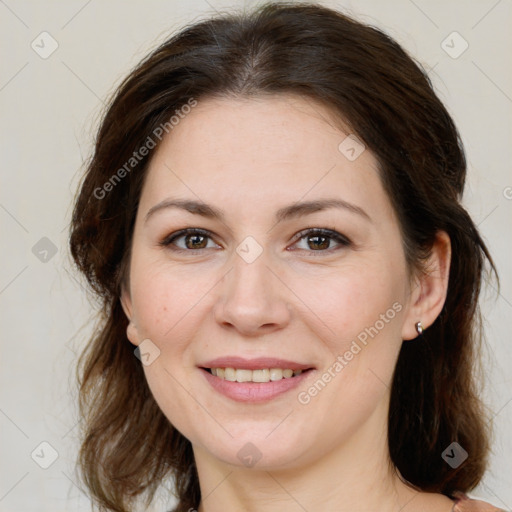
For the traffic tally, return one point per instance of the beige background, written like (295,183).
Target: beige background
(49,112)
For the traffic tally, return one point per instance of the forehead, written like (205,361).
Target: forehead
(260,151)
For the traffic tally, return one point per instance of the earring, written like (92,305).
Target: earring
(419,328)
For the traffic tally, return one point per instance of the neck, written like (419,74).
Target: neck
(355,475)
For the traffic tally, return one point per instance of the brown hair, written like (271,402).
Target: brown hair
(376,89)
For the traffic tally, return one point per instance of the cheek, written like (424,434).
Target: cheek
(358,316)
(350,300)
(163,299)
(167,305)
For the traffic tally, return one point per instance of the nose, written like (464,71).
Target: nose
(252,300)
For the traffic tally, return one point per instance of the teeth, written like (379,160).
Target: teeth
(229,374)
(263,375)
(243,375)
(276,374)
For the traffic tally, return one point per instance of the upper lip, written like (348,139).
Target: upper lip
(258,363)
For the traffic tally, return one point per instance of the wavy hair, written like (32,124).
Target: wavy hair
(376,89)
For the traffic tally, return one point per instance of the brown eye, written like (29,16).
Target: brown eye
(187,240)
(195,241)
(322,240)
(318,242)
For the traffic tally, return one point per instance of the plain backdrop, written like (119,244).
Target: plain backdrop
(50,109)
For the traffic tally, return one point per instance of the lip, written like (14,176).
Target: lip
(252,392)
(254,364)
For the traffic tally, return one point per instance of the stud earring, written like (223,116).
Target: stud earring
(419,328)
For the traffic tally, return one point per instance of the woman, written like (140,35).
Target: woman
(272,221)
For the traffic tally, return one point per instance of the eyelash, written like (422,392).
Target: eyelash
(328,233)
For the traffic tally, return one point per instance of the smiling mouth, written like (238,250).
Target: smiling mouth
(256,376)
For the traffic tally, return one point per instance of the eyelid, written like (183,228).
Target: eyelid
(167,241)
(339,238)
(330,233)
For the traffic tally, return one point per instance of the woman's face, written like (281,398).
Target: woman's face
(256,288)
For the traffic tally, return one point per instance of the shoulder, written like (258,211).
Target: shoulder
(465,504)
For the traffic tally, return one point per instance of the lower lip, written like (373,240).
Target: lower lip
(254,391)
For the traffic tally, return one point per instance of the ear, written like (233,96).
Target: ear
(131,330)
(430,288)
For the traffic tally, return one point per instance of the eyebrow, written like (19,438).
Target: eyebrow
(288,212)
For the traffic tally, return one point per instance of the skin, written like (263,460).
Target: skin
(298,300)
